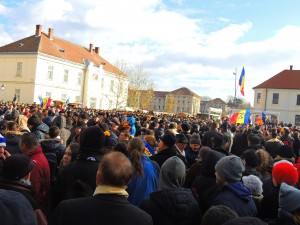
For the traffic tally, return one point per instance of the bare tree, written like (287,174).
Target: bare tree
(205,98)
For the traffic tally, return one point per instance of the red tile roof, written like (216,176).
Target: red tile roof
(184,91)
(286,79)
(58,48)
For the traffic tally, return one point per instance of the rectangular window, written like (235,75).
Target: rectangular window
(258,97)
(64,97)
(112,85)
(79,78)
(95,76)
(19,69)
(17,94)
(50,73)
(275,98)
(298,99)
(297,120)
(48,94)
(66,76)
(93,102)
(77,99)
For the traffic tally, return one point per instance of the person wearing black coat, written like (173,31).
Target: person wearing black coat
(172,204)
(109,204)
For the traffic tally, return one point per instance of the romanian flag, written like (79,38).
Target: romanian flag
(242,82)
(41,101)
(242,117)
(45,100)
(49,102)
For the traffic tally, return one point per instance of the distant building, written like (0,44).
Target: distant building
(177,101)
(279,97)
(214,103)
(47,66)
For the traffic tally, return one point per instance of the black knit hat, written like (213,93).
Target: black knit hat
(286,151)
(16,166)
(185,127)
(33,121)
(250,157)
(168,139)
(180,138)
(92,139)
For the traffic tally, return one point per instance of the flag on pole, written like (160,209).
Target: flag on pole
(41,101)
(243,116)
(67,102)
(264,117)
(242,82)
(49,102)
(45,100)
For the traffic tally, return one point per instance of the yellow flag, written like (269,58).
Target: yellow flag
(241,117)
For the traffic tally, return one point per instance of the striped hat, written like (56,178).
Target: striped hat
(2,141)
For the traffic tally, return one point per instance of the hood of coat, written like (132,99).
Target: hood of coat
(240,190)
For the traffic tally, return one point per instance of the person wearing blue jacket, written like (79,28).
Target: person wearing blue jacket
(234,194)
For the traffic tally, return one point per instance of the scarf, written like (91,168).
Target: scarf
(106,189)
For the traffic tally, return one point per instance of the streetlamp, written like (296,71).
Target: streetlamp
(234,100)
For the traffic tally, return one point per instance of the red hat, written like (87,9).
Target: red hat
(285,172)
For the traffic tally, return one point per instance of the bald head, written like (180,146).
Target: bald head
(115,170)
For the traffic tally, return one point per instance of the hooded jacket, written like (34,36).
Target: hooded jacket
(237,197)
(12,142)
(40,131)
(172,204)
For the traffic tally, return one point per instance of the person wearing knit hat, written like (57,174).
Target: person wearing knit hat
(234,193)
(255,186)
(289,204)
(220,143)
(92,143)
(192,150)
(283,171)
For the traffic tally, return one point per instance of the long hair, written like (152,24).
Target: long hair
(136,149)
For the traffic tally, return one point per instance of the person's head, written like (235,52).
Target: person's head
(181,141)
(150,139)
(254,184)
(33,122)
(245,221)
(28,142)
(218,215)
(70,153)
(92,139)
(115,169)
(12,126)
(186,127)
(229,169)
(172,173)
(254,139)
(284,171)
(286,152)
(124,135)
(136,148)
(209,161)
(195,142)
(250,158)
(16,167)
(121,147)
(265,161)
(2,144)
(220,141)
(166,141)
(54,132)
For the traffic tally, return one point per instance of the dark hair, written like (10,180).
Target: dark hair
(136,149)
(74,146)
(115,169)
(12,126)
(53,131)
(217,215)
(121,147)
(29,140)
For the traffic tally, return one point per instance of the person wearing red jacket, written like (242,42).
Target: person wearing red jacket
(40,175)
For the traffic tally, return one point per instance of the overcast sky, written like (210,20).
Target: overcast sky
(196,44)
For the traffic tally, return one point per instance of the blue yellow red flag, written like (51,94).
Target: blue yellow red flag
(242,82)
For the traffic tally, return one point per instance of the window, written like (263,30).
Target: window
(275,98)
(77,99)
(297,120)
(159,107)
(17,94)
(48,94)
(258,98)
(298,99)
(66,76)
(79,78)
(183,101)
(102,83)
(19,69)
(95,76)
(93,102)
(50,73)
(64,97)
(112,85)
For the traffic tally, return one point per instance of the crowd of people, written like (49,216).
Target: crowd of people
(87,166)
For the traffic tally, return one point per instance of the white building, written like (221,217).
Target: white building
(279,97)
(179,100)
(47,66)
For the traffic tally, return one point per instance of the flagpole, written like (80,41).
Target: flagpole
(234,100)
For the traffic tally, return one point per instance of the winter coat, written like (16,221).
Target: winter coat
(163,155)
(104,209)
(237,197)
(12,142)
(40,131)
(191,156)
(40,176)
(140,188)
(269,204)
(172,206)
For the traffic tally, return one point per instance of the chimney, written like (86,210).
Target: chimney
(50,33)
(91,48)
(38,30)
(291,67)
(97,50)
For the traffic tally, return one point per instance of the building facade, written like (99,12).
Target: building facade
(46,66)
(214,103)
(177,101)
(279,97)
